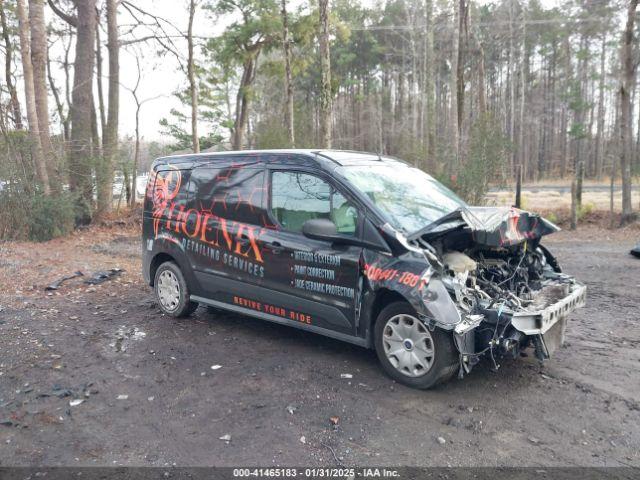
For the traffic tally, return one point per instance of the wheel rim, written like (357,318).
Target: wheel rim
(408,345)
(169,290)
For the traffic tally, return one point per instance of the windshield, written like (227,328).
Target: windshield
(409,197)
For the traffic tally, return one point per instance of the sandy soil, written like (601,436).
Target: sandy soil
(550,197)
(149,395)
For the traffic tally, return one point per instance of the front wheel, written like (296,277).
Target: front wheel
(409,352)
(172,292)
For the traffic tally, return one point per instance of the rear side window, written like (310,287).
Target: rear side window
(167,189)
(297,197)
(234,193)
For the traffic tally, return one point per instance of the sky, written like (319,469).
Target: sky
(161,77)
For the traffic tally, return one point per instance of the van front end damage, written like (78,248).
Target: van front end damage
(499,330)
(487,279)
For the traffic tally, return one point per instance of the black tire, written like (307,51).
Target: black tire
(184,306)
(445,358)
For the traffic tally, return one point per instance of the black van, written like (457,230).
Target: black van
(358,247)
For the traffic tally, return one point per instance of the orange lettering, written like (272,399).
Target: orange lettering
(186,221)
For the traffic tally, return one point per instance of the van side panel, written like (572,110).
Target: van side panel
(213,219)
(166,199)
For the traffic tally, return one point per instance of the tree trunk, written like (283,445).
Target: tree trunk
(430,114)
(512,88)
(58,101)
(193,86)
(628,71)
(29,92)
(482,95)
(521,139)
(110,133)
(288,81)
(80,154)
(39,63)
(568,78)
(598,161)
(136,159)
(242,102)
(462,23)
(325,72)
(453,91)
(8,67)
(100,76)
(580,114)
(574,205)
(66,66)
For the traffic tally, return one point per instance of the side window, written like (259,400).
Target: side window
(167,194)
(168,188)
(298,197)
(234,193)
(343,214)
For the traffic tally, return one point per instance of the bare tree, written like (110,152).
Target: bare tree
(599,150)
(193,85)
(454,88)
(523,98)
(627,78)
(8,69)
(58,102)
(140,102)
(288,82)
(39,63)
(110,134)
(325,67)
(29,92)
(429,85)
(82,108)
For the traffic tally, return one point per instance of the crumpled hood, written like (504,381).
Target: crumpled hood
(492,226)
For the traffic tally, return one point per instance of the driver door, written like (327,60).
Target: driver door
(317,280)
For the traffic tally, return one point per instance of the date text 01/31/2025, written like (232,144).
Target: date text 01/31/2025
(315,472)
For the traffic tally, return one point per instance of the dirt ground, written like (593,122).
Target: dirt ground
(551,196)
(144,392)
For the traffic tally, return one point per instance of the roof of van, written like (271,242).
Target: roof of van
(339,157)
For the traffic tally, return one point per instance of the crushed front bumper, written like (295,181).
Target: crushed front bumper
(545,327)
(540,321)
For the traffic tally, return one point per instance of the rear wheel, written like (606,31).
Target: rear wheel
(172,292)
(409,352)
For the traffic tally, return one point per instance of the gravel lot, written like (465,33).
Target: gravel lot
(97,376)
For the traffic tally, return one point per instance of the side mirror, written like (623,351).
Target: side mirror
(321,229)
(324,229)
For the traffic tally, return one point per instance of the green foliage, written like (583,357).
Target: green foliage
(51,217)
(585,210)
(16,166)
(271,136)
(176,128)
(13,212)
(411,150)
(578,130)
(35,217)
(486,161)
(259,29)
(552,217)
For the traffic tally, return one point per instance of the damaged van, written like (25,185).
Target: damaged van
(359,247)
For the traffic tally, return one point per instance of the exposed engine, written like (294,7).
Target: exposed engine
(492,286)
(508,289)
(511,277)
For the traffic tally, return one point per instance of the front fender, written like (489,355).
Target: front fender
(418,283)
